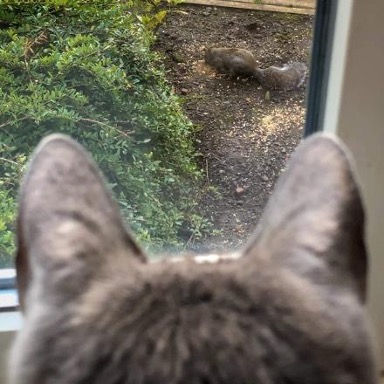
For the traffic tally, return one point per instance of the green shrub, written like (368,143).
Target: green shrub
(88,71)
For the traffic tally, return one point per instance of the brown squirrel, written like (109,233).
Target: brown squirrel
(234,61)
(240,62)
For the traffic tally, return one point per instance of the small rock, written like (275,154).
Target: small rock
(239,191)
(206,13)
(183,91)
(264,178)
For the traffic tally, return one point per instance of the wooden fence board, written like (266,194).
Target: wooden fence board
(263,6)
(283,3)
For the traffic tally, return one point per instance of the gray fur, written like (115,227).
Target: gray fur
(290,310)
(287,77)
(233,61)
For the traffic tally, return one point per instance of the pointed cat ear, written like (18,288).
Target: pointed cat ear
(68,226)
(314,221)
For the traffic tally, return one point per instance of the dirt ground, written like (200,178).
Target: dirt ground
(246,133)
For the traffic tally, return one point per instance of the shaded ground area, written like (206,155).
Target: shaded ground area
(247,133)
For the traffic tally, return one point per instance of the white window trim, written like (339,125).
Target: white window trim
(355,112)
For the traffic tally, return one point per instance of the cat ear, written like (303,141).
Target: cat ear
(68,226)
(314,221)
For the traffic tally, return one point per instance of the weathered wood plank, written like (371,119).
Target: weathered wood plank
(257,7)
(283,3)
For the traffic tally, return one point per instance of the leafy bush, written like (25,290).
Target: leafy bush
(88,71)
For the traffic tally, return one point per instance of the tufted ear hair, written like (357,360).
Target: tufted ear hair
(314,221)
(69,229)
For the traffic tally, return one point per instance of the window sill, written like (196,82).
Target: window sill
(10,321)
(10,316)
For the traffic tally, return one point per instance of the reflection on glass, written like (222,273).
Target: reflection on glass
(190,147)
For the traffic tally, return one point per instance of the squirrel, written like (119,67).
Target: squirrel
(234,61)
(240,62)
(287,77)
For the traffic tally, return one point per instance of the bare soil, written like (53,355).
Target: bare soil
(246,133)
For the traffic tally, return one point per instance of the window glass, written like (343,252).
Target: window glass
(191,139)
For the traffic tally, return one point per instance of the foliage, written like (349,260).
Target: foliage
(87,70)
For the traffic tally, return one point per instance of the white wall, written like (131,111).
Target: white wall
(5,343)
(355,110)
(10,322)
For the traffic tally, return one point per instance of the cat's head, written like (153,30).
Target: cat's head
(287,308)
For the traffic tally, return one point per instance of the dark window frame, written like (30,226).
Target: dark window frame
(324,28)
